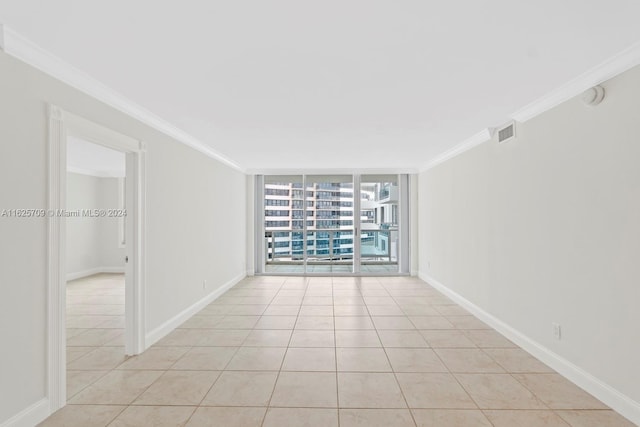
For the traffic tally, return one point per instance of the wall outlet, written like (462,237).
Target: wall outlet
(204,284)
(557,332)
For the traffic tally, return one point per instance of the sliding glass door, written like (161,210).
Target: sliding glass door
(329,224)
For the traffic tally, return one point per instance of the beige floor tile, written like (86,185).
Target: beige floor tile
(257,359)
(116,388)
(317,300)
(379,300)
(315,323)
(248,310)
(83,416)
(237,322)
(227,417)
(75,353)
(268,338)
(404,339)
(310,359)
(597,418)
(282,310)
(434,391)
(350,310)
(419,310)
(276,322)
(517,360)
(357,339)
(241,389)
(499,391)
(447,339)
(181,337)
(414,360)
(79,380)
(468,360)
(155,358)
(525,419)
(302,338)
(201,322)
(286,301)
(369,390)
(205,359)
(489,339)
(216,310)
(558,392)
(451,418)
(178,388)
(451,310)
(316,310)
(392,322)
(431,322)
(376,418)
(467,322)
(94,337)
(385,310)
(73,332)
(301,417)
(362,360)
(153,416)
(306,390)
(100,359)
(347,300)
(115,322)
(222,337)
(353,323)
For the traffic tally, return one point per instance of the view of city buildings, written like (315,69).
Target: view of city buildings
(324,212)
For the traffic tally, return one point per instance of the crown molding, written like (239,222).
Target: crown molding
(25,50)
(329,171)
(608,69)
(477,139)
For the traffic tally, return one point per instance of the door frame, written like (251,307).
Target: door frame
(62,123)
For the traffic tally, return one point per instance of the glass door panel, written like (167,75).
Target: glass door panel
(330,223)
(283,224)
(379,233)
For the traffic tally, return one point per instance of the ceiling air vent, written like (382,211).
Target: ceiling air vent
(507,133)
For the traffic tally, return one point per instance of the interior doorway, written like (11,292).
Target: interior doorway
(65,130)
(95,261)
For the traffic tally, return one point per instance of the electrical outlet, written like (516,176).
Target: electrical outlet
(557,332)
(204,284)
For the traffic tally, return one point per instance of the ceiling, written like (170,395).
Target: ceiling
(334,84)
(92,159)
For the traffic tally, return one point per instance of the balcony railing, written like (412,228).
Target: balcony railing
(331,246)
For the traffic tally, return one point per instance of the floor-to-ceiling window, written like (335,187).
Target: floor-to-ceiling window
(331,224)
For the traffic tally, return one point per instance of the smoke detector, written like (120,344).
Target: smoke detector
(593,96)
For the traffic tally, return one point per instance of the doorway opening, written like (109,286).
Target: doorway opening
(111,318)
(95,261)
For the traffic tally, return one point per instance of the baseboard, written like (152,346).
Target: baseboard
(583,379)
(168,326)
(31,416)
(92,271)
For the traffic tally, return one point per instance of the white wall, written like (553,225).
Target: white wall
(196,209)
(92,242)
(546,229)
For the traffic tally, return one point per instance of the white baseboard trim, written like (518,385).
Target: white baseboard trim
(31,416)
(92,271)
(602,391)
(161,331)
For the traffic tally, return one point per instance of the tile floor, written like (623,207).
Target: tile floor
(290,351)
